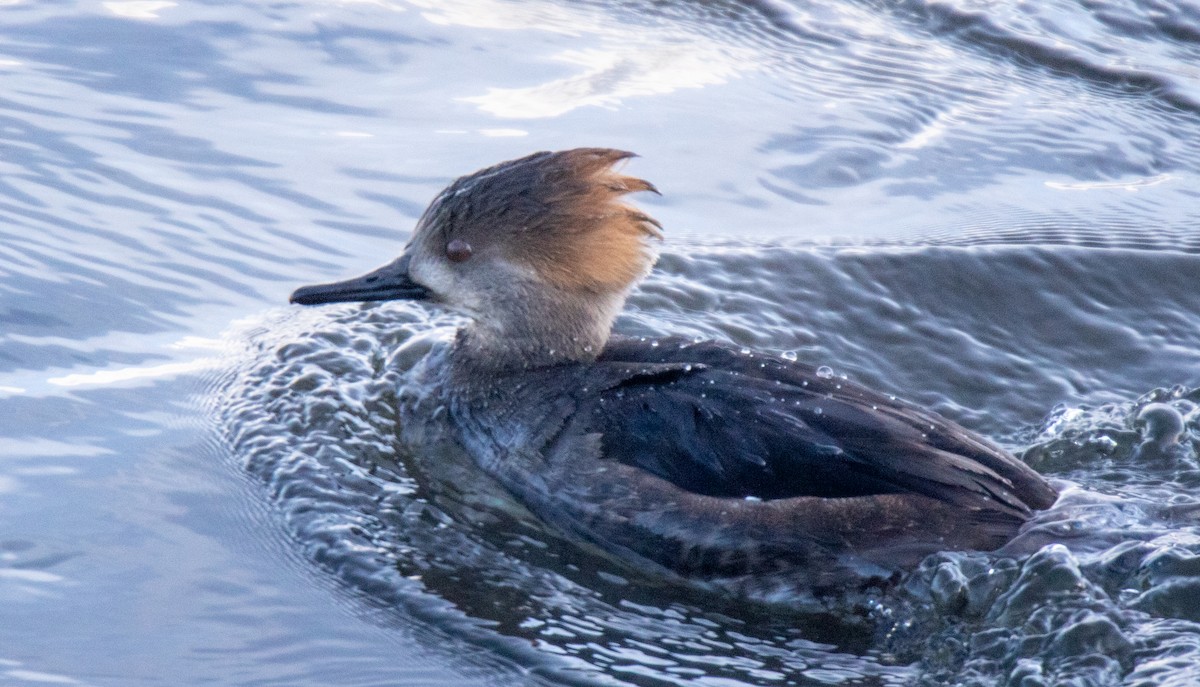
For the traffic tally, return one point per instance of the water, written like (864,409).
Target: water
(987,208)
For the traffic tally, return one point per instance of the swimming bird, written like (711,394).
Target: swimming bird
(697,459)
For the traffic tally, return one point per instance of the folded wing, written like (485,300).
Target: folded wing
(734,425)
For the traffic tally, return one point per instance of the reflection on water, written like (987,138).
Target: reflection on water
(138,9)
(633,60)
(1014,184)
(608,77)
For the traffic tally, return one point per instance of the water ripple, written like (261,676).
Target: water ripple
(312,410)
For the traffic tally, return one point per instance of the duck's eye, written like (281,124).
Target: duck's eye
(458,250)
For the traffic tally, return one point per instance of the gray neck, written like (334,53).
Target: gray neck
(536,328)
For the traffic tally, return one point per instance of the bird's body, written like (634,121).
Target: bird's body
(694,457)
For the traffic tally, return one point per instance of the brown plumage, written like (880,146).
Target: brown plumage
(696,458)
(557,213)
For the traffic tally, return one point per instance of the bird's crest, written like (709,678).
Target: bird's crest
(558,213)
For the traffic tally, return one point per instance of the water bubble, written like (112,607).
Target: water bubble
(789,356)
(745,350)
(824,372)
(817,410)
(1161,419)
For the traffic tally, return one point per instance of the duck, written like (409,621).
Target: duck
(693,459)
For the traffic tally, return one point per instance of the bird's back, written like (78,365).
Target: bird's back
(734,424)
(711,462)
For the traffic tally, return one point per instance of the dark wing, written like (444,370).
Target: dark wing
(739,425)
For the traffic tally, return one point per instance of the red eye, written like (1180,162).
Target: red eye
(458,250)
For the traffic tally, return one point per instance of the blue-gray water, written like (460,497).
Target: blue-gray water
(989,208)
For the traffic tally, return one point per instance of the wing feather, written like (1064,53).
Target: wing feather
(733,425)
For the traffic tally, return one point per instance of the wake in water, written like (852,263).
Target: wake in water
(1099,588)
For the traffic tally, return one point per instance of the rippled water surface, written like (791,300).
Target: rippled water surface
(989,208)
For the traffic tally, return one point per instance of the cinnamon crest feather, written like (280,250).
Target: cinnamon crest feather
(558,213)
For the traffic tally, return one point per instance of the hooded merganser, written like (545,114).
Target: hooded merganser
(696,458)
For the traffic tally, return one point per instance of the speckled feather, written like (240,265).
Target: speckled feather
(737,425)
(651,452)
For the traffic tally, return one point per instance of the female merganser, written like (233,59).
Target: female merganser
(696,458)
